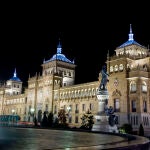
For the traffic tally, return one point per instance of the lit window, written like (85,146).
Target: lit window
(144,87)
(121,67)
(116,68)
(111,69)
(116,105)
(133,86)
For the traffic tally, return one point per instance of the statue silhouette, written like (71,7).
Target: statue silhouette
(104,79)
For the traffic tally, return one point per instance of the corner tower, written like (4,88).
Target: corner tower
(14,85)
(129,71)
(59,65)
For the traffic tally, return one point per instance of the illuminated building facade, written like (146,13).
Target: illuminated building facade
(54,89)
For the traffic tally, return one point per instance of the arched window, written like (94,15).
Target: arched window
(144,87)
(89,92)
(91,107)
(121,67)
(76,93)
(133,86)
(79,93)
(93,92)
(111,69)
(116,68)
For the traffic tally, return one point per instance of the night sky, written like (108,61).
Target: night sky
(30,34)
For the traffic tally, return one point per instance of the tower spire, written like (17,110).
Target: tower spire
(59,48)
(15,74)
(130,34)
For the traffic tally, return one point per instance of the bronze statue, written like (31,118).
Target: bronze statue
(104,79)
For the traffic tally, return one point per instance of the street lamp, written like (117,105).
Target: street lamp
(13,117)
(13,111)
(68,108)
(32,113)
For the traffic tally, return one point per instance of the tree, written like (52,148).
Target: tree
(62,118)
(56,122)
(35,121)
(141,130)
(50,119)
(126,128)
(87,120)
(44,120)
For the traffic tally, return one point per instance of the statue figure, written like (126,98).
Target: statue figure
(104,79)
(112,119)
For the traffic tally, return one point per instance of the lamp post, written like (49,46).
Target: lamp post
(13,118)
(68,109)
(32,113)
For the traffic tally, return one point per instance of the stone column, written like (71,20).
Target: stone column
(101,119)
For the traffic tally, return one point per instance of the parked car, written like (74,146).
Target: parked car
(25,124)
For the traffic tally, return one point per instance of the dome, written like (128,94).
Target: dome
(15,78)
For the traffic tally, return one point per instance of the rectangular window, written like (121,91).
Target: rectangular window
(133,106)
(83,107)
(116,105)
(70,108)
(77,109)
(76,119)
(144,88)
(91,106)
(70,119)
(144,106)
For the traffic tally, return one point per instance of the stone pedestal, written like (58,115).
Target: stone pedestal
(101,119)
(101,123)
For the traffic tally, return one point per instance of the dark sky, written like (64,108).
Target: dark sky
(30,32)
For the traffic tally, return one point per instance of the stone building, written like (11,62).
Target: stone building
(54,89)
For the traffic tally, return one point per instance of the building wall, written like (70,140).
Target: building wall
(128,87)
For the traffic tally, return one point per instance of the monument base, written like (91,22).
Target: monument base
(102,124)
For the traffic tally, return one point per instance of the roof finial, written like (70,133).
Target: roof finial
(15,74)
(131,34)
(59,48)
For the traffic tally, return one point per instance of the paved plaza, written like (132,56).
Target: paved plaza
(46,139)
